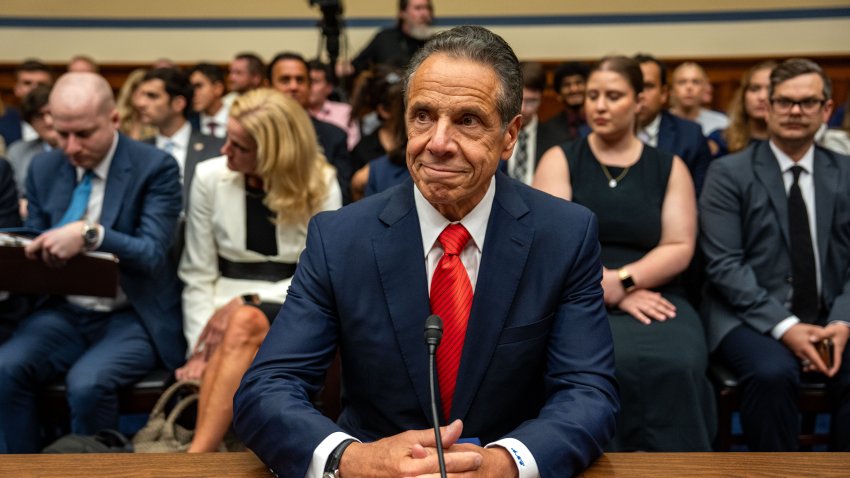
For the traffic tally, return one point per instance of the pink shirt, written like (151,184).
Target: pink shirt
(337,114)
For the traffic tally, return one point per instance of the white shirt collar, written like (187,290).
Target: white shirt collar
(220,117)
(102,168)
(807,161)
(180,138)
(432,223)
(651,130)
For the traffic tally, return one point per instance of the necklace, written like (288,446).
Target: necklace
(612,181)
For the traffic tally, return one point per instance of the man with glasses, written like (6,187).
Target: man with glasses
(775,222)
(528,149)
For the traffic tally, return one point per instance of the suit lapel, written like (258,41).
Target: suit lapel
(825,178)
(116,183)
(666,133)
(503,259)
(767,172)
(401,265)
(63,189)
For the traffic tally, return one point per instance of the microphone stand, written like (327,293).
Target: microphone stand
(433,335)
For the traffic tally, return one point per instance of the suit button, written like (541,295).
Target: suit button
(789,279)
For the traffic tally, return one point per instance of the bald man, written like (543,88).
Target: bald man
(98,191)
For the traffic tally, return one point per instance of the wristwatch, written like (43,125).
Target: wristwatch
(332,465)
(626,279)
(90,234)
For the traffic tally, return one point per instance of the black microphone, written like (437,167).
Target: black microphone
(433,335)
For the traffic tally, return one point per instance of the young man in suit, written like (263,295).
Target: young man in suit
(98,191)
(164,101)
(207,99)
(665,131)
(775,224)
(526,361)
(570,83)
(28,75)
(527,151)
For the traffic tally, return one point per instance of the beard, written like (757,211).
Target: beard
(420,32)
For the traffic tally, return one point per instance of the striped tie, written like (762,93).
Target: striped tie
(451,299)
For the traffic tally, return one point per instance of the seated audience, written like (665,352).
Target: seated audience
(747,113)
(777,286)
(689,85)
(164,101)
(128,115)
(98,191)
(570,82)
(660,129)
(644,199)
(245,73)
(322,108)
(245,231)
(207,99)
(35,111)
(835,139)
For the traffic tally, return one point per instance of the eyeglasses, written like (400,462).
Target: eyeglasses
(807,105)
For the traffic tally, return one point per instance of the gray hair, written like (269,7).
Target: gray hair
(795,67)
(482,46)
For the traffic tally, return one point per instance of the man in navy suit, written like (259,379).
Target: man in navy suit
(104,192)
(665,131)
(535,373)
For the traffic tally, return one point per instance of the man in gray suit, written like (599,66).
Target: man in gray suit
(165,101)
(775,221)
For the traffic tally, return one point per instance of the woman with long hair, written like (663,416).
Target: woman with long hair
(645,203)
(747,112)
(245,230)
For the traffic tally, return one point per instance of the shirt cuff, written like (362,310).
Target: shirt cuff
(323,452)
(844,322)
(523,458)
(779,329)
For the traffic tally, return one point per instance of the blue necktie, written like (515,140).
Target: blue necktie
(79,201)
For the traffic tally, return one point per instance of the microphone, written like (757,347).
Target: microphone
(433,335)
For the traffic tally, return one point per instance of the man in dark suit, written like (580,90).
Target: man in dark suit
(164,102)
(289,73)
(665,131)
(104,192)
(526,361)
(775,223)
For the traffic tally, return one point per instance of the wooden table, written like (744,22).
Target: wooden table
(246,465)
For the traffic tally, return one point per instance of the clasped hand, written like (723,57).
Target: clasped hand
(801,339)
(414,454)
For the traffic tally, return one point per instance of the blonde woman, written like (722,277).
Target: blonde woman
(129,122)
(246,227)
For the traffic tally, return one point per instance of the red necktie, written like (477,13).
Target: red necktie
(451,299)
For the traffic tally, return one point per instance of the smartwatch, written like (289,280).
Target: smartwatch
(90,234)
(626,279)
(332,465)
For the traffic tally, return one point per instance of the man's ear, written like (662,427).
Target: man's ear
(218,88)
(665,94)
(179,103)
(510,137)
(827,110)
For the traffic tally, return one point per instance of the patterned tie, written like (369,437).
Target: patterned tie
(451,299)
(79,200)
(521,158)
(804,302)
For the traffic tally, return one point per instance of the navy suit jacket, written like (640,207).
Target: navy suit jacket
(537,364)
(141,205)
(334,143)
(744,235)
(10,126)
(684,138)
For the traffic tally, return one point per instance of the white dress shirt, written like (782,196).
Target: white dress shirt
(180,144)
(431,224)
(807,187)
(92,216)
(649,134)
(220,120)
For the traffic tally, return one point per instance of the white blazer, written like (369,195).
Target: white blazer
(215,226)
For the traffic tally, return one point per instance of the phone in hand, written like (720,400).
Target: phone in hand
(825,350)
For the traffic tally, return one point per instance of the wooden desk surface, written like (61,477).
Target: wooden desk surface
(246,465)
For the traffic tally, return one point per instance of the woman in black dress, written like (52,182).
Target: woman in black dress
(646,206)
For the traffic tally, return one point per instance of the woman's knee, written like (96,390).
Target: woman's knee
(248,324)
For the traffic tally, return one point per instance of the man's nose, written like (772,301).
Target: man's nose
(72,144)
(441,142)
